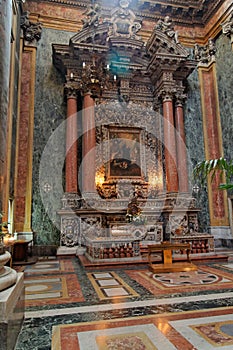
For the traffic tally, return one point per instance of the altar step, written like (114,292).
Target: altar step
(143,260)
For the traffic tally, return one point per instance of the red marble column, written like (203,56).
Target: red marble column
(170,145)
(181,148)
(71,143)
(89,143)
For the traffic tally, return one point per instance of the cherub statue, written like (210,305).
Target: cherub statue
(166,27)
(92,16)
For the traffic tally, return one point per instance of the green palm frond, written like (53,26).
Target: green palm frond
(210,167)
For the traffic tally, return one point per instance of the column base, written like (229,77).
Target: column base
(67,251)
(11,313)
(28,236)
(222,236)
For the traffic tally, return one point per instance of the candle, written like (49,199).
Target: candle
(5,239)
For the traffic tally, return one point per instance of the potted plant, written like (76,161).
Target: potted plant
(215,166)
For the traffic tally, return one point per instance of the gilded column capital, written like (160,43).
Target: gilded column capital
(31,31)
(167,94)
(180,98)
(205,55)
(71,89)
(227,27)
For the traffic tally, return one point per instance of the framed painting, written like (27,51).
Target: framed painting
(124,153)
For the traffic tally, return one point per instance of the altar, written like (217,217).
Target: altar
(129,101)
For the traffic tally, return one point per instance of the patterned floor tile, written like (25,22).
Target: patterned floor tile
(52,290)
(126,308)
(205,279)
(108,285)
(181,331)
(207,333)
(48,267)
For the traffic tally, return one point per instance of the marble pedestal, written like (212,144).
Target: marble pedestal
(69,251)
(223,237)
(11,313)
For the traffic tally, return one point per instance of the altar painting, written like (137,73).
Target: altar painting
(124,153)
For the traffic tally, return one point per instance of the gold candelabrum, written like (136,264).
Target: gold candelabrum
(95,77)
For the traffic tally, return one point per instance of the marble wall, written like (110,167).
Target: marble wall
(224,64)
(5,30)
(49,145)
(195,144)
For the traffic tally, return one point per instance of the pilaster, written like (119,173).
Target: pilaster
(212,131)
(23,177)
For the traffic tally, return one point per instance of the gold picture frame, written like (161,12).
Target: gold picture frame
(125,160)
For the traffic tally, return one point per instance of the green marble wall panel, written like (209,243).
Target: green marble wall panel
(224,64)
(49,144)
(195,144)
(5,34)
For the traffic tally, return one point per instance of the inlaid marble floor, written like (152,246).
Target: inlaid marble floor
(126,307)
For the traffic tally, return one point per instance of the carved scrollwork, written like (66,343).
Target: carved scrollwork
(71,201)
(92,16)
(70,232)
(91,227)
(107,191)
(227,27)
(205,54)
(31,31)
(123,22)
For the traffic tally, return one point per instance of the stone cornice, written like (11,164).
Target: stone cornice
(189,32)
(183,12)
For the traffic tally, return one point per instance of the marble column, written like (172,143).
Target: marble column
(71,168)
(181,148)
(89,143)
(170,144)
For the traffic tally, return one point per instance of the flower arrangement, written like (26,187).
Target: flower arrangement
(134,213)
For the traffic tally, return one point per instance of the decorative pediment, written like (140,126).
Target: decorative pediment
(164,41)
(112,48)
(169,61)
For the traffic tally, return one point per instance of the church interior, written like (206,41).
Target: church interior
(108,240)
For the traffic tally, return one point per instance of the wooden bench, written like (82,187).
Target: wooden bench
(167,265)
